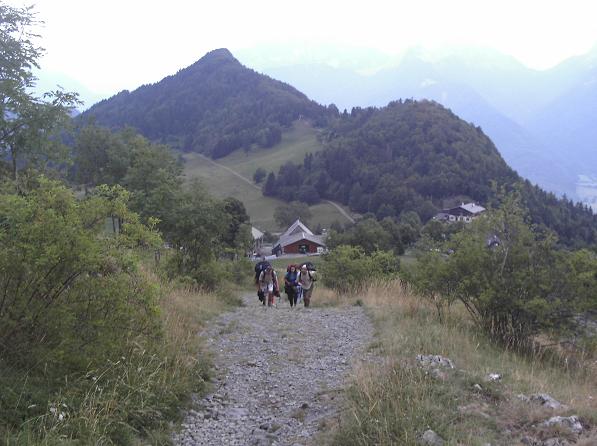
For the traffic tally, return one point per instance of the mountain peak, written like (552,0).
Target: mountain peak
(214,106)
(218,55)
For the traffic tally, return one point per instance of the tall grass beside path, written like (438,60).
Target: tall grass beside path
(135,398)
(395,401)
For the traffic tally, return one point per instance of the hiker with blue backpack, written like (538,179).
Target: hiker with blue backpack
(291,285)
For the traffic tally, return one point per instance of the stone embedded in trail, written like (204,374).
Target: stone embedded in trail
(430,438)
(555,442)
(546,400)
(280,374)
(493,377)
(434,361)
(572,423)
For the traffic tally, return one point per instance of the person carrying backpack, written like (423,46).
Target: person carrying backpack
(291,284)
(268,283)
(306,280)
(259,268)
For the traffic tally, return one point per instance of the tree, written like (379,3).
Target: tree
(237,236)
(29,126)
(101,157)
(153,178)
(368,234)
(269,188)
(196,228)
(259,175)
(308,194)
(513,288)
(287,214)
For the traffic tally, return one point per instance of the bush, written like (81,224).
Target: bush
(209,275)
(71,292)
(82,347)
(347,268)
(509,275)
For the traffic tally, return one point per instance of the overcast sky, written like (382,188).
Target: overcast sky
(109,45)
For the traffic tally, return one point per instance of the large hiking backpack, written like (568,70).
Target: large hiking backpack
(261,266)
(310,266)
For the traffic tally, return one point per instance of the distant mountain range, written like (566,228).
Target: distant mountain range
(541,121)
(407,156)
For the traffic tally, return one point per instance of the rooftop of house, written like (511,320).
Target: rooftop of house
(298,231)
(256,233)
(472,208)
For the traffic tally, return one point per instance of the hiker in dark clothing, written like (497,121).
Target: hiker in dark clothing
(291,284)
(259,268)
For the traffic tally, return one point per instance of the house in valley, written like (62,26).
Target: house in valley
(257,238)
(464,212)
(298,239)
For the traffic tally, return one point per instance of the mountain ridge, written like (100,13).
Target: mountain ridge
(214,106)
(217,106)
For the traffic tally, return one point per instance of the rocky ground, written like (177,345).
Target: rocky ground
(279,372)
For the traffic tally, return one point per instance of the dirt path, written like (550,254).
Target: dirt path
(233,172)
(342,211)
(280,374)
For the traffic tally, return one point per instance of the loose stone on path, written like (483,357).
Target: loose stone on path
(280,374)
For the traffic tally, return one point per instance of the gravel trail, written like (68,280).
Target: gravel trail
(280,373)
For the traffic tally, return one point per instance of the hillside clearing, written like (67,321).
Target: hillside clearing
(231,177)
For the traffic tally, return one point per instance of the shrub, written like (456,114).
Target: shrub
(71,292)
(347,268)
(514,287)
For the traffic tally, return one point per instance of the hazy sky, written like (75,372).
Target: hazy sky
(109,45)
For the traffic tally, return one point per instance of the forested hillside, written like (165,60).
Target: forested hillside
(214,106)
(417,155)
(407,156)
(410,155)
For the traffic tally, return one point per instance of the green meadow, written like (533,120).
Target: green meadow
(220,178)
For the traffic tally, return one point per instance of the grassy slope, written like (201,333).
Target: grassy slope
(300,140)
(394,401)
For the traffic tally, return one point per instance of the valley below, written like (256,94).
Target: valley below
(586,189)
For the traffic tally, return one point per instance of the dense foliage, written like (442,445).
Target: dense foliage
(201,228)
(347,269)
(418,156)
(93,349)
(407,156)
(214,106)
(69,293)
(389,234)
(29,125)
(288,213)
(508,275)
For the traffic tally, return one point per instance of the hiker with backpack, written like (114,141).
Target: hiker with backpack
(268,283)
(306,280)
(291,284)
(259,268)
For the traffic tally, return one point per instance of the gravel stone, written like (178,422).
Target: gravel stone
(274,361)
